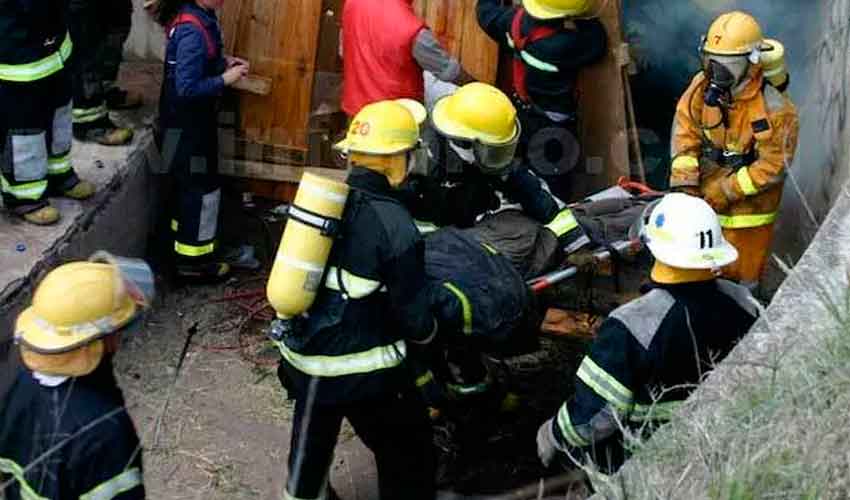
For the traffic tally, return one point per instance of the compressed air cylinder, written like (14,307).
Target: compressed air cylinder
(304,247)
(773,62)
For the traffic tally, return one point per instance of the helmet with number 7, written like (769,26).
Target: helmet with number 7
(683,233)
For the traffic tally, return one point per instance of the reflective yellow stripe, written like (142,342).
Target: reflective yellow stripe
(28,191)
(425,227)
(605,385)
(354,286)
(378,358)
(37,70)
(568,431)
(746,221)
(685,163)
(489,248)
(61,165)
(531,60)
(193,251)
(119,484)
(468,390)
(563,223)
(424,379)
(16,471)
(89,115)
(174,225)
(656,411)
(746,182)
(464,304)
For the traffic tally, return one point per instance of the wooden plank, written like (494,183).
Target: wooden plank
(479,54)
(279,37)
(273,172)
(254,84)
(455,24)
(603,131)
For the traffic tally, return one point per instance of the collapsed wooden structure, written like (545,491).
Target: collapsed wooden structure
(287,114)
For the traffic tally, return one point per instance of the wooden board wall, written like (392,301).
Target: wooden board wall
(279,38)
(603,126)
(455,24)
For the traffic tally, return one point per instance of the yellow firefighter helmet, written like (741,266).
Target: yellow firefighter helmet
(78,304)
(381,128)
(553,9)
(734,33)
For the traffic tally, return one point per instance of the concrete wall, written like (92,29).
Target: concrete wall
(665,36)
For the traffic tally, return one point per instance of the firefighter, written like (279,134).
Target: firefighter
(650,354)
(551,43)
(472,169)
(385,48)
(35,95)
(196,73)
(734,135)
(99,29)
(64,430)
(349,356)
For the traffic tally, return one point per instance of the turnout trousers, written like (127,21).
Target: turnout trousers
(396,429)
(192,153)
(35,154)
(99,29)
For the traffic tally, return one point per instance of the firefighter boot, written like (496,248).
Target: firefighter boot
(44,216)
(104,132)
(81,191)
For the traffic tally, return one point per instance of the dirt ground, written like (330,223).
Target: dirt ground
(225,431)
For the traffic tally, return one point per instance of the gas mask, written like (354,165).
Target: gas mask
(724,73)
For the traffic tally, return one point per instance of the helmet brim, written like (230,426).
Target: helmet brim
(712,258)
(40,336)
(348,146)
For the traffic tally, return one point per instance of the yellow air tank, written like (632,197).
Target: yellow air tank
(306,242)
(773,62)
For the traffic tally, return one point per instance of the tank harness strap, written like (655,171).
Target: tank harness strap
(519,43)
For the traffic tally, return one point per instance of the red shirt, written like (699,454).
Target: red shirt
(377,44)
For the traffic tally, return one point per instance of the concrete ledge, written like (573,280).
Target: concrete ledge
(118,218)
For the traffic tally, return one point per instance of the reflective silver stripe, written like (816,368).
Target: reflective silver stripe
(119,484)
(324,193)
(208,224)
(354,286)
(62,130)
(323,495)
(16,471)
(299,264)
(308,218)
(39,69)
(29,156)
(378,358)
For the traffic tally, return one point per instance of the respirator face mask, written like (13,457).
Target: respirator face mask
(723,73)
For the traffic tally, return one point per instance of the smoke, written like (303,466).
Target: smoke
(665,36)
